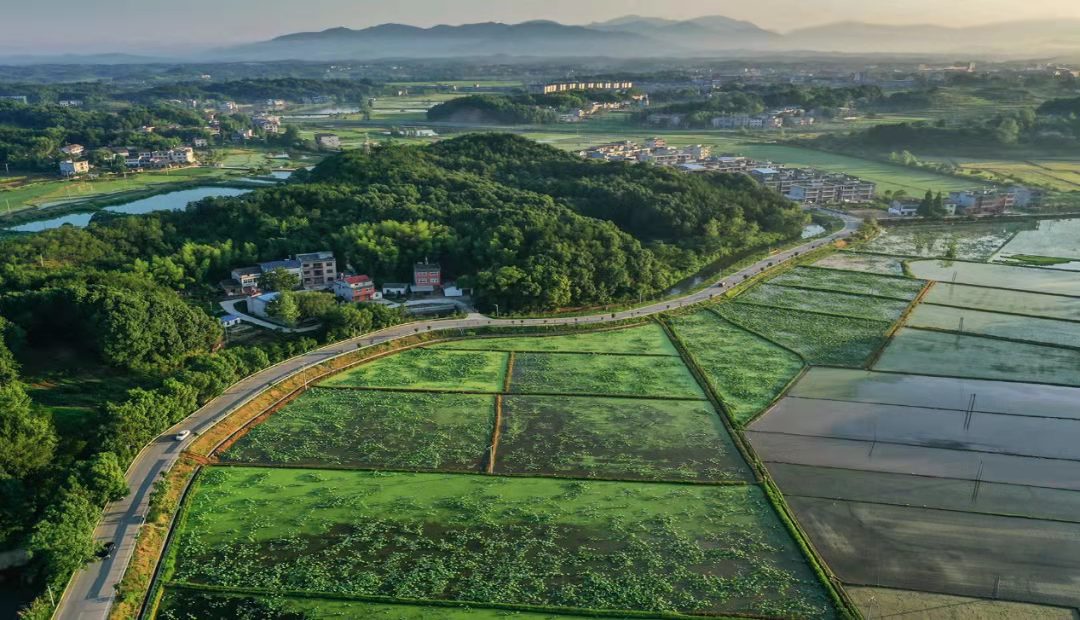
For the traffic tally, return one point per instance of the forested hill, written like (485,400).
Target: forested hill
(529,226)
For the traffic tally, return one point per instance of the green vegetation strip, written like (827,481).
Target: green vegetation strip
(387,430)
(820,339)
(593,545)
(656,377)
(826,302)
(746,371)
(617,439)
(878,285)
(429,369)
(184,601)
(646,340)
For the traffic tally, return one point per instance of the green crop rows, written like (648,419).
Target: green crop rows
(818,338)
(190,604)
(747,371)
(649,339)
(374,429)
(830,302)
(616,438)
(598,480)
(594,545)
(850,282)
(426,369)
(603,374)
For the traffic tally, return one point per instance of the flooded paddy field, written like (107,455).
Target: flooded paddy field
(933,484)
(1030,279)
(1012,326)
(998,300)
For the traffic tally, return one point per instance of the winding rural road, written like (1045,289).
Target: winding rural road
(91,591)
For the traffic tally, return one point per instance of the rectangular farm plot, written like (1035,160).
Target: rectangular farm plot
(961,553)
(1051,238)
(936,353)
(616,438)
(926,492)
(829,302)
(744,369)
(526,541)
(904,289)
(979,432)
(1030,279)
(939,392)
(869,263)
(964,320)
(427,369)
(998,300)
(603,375)
(648,339)
(964,241)
(180,603)
(818,338)
(940,462)
(374,429)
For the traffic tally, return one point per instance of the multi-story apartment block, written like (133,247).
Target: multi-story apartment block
(319,269)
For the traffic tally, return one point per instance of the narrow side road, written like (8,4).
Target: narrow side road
(92,590)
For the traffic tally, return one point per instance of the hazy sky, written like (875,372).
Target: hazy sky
(55,26)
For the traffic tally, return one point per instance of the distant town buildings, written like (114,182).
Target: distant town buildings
(69,168)
(268,124)
(810,186)
(774,119)
(803,185)
(16,98)
(561,87)
(981,202)
(180,156)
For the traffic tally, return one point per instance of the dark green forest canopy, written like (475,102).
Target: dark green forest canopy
(529,226)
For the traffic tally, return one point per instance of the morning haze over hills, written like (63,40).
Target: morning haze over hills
(636,36)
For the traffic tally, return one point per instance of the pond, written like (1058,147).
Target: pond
(172,201)
(812,230)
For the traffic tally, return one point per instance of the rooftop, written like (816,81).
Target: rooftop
(280,264)
(310,256)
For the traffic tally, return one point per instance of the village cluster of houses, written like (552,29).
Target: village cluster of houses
(773,119)
(802,185)
(811,186)
(973,202)
(318,271)
(133,158)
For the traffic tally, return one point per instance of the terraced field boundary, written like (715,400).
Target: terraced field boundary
(899,323)
(357,388)
(760,335)
(448,604)
(845,607)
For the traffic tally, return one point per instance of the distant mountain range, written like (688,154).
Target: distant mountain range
(635,36)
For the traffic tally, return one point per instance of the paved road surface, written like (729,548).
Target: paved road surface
(91,591)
